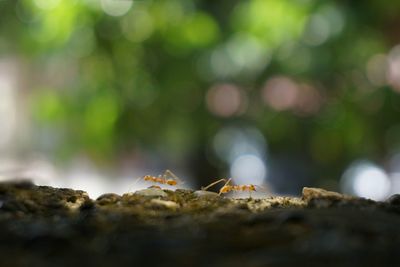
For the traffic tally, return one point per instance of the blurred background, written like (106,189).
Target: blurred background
(279,93)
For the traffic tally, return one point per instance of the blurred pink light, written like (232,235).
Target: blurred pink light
(280,93)
(8,104)
(225,100)
(309,100)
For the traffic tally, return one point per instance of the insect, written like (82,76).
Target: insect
(229,188)
(168,178)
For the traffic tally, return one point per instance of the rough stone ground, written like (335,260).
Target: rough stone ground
(45,226)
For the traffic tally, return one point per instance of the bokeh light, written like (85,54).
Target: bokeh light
(248,169)
(47,5)
(232,142)
(393,75)
(82,42)
(248,54)
(394,171)
(137,26)
(365,179)
(225,100)
(309,100)
(116,7)
(222,64)
(8,105)
(280,93)
(317,30)
(395,183)
(376,69)
(327,22)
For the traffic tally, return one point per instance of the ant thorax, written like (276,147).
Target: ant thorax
(148,178)
(162,179)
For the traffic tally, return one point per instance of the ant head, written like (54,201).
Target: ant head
(147,178)
(225,189)
(171,182)
(253,187)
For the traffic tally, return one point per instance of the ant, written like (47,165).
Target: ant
(168,178)
(229,188)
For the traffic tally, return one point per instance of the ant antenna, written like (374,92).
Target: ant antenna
(133,184)
(212,184)
(137,180)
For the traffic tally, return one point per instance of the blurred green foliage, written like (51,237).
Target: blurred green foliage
(107,84)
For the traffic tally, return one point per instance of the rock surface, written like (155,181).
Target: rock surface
(44,226)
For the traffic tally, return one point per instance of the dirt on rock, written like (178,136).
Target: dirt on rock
(45,226)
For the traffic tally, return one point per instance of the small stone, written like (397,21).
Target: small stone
(151,192)
(74,205)
(109,198)
(310,193)
(87,205)
(165,203)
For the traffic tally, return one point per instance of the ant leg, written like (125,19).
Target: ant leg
(169,173)
(136,181)
(234,193)
(212,184)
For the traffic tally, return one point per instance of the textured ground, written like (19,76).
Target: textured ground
(44,226)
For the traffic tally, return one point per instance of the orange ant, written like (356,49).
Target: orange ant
(168,178)
(229,188)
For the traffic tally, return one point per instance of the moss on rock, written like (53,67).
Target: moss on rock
(47,226)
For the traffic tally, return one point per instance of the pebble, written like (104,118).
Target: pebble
(205,194)
(151,192)
(108,198)
(75,204)
(165,203)
(311,193)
